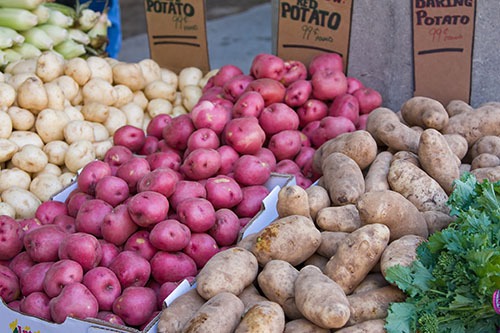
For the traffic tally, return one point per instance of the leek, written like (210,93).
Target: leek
(79,36)
(27,50)
(38,38)
(99,33)
(70,49)
(17,19)
(60,19)
(24,4)
(43,14)
(56,33)
(88,19)
(9,37)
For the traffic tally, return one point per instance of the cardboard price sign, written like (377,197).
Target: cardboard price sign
(177,34)
(443,39)
(305,28)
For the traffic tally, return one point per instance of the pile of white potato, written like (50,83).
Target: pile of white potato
(57,115)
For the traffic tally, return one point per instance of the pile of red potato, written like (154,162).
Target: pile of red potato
(163,201)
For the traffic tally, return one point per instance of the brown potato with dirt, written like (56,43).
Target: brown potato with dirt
(264,316)
(330,241)
(424,112)
(436,221)
(369,326)
(231,270)
(402,251)
(371,281)
(174,318)
(320,299)
(277,282)
(343,179)
(393,210)
(486,144)
(251,296)
(247,242)
(376,176)
(491,173)
(303,326)
(339,218)
(293,200)
(485,160)
(356,255)
(417,186)
(317,260)
(292,238)
(457,106)
(458,145)
(318,198)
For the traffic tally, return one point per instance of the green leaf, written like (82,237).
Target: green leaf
(401,318)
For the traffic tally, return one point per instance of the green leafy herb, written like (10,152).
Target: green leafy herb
(451,282)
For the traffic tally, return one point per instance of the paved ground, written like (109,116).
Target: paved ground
(235,35)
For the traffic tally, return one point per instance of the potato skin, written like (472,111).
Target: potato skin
(343,179)
(402,251)
(277,282)
(173,318)
(231,270)
(376,176)
(491,173)
(317,260)
(394,210)
(436,220)
(221,313)
(485,160)
(437,159)
(330,241)
(320,299)
(292,238)
(264,316)
(339,218)
(251,296)
(356,255)
(371,281)
(417,186)
(424,112)
(293,200)
(369,326)
(486,144)
(458,144)
(303,326)
(457,106)
(318,198)
(373,304)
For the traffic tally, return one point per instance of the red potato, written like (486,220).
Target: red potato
(353,84)
(14,305)
(9,285)
(28,224)
(133,298)
(91,215)
(148,208)
(139,242)
(49,210)
(198,214)
(161,180)
(298,92)
(294,70)
(170,235)
(91,174)
(328,84)
(110,317)
(164,159)
(156,125)
(244,221)
(133,170)
(186,189)
(249,104)
(226,228)
(267,156)
(251,203)
(235,87)
(150,145)
(109,252)
(32,279)
(310,129)
(130,136)
(131,269)
(331,127)
(177,132)
(164,291)
(75,201)
(287,167)
(201,248)
(303,181)
(369,99)
(345,105)
(311,110)
(304,159)
(245,135)
(201,163)
(117,225)
(60,274)
(210,92)
(272,91)
(111,189)
(251,170)
(225,73)
(203,138)
(172,266)
(221,102)
(42,244)
(36,304)
(11,243)
(21,263)
(104,285)
(117,155)
(66,223)
(75,300)
(228,156)
(207,114)
(304,140)
(269,66)
(83,248)
(362,122)
(285,144)
(325,61)
(223,191)
(278,117)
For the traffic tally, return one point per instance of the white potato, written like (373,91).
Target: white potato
(100,132)
(24,202)
(189,76)
(129,74)
(95,111)
(22,119)
(99,90)
(178,110)
(74,113)
(68,86)
(159,106)
(140,99)
(49,66)
(204,80)
(21,66)
(14,177)
(169,77)
(50,124)
(45,186)
(134,114)
(160,89)
(30,159)
(116,119)
(7,95)
(79,154)
(78,69)
(56,151)
(5,125)
(67,178)
(7,150)
(190,96)
(16,80)
(101,147)
(124,95)
(77,130)
(78,98)
(178,99)
(31,95)
(150,70)
(50,168)
(7,209)
(100,68)
(22,138)
(55,96)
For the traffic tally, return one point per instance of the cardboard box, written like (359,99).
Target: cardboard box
(15,322)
